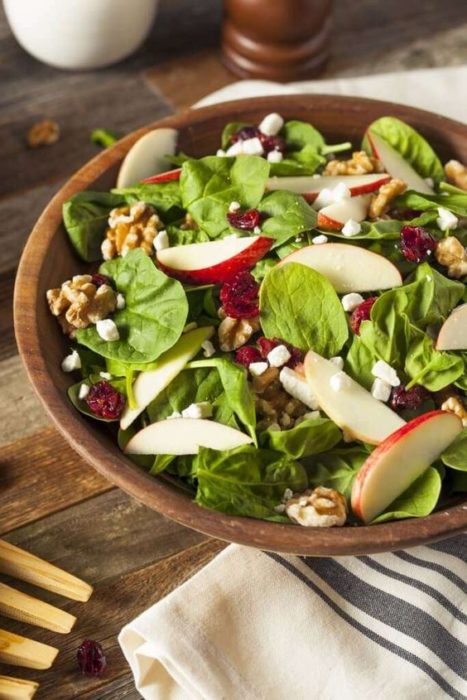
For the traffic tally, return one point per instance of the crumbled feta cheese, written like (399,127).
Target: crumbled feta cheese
(274,156)
(337,361)
(253,147)
(383,371)
(208,348)
(190,327)
(319,240)
(234,206)
(236,149)
(279,356)
(175,414)
(340,381)
(351,228)
(257,230)
(381,390)
(107,330)
(161,241)
(105,375)
(351,301)
(271,124)
(340,192)
(446,219)
(298,388)
(311,415)
(220,153)
(324,199)
(203,409)
(121,303)
(257,368)
(71,362)
(83,391)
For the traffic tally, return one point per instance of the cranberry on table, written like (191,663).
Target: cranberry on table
(408,398)
(361,313)
(416,243)
(246,221)
(239,296)
(246,355)
(91,658)
(105,401)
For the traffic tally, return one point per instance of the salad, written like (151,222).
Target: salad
(281,325)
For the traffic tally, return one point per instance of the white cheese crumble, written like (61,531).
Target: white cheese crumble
(105,375)
(383,371)
(107,330)
(337,361)
(298,388)
(175,414)
(257,368)
(161,241)
(234,206)
(351,228)
(340,381)
(279,356)
(253,147)
(71,362)
(381,390)
(257,230)
(446,219)
(83,391)
(203,409)
(190,327)
(271,124)
(351,301)
(274,156)
(220,153)
(208,348)
(319,240)
(121,303)
(236,149)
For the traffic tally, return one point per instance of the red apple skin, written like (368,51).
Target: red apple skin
(225,270)
(383,447)
(163,177)
(328,224)
(373,146)
(354,191)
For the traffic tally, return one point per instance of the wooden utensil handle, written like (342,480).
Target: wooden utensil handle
(19,606)
(22,651)
(16,688)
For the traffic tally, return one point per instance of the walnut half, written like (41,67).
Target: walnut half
(456,173)
(359,164)
(451,253)
(455,405)
(130,228)
(78,303)
(235,332)
(380,202)
(319,507)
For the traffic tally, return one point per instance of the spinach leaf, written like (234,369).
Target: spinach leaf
(298,134)
(180,236)
(455,202)
(85,218)
(246,481)
(417,501)
(456,454)
(429,367)
(300,306)
(410,144)
(336,469)
(163,196)
(229,129)
(309,437)
(153,318)
(389,230)
(360,359)
(288,215)
(261,268)
(91,362)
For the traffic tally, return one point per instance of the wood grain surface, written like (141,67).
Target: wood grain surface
(51,502)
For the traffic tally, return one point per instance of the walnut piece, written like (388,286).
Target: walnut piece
(235,332)
(319,507)
(456,173)
(44,133)
(359,164)
(129,228)
(78,303)
(451,253)
(380,201)
(189,224)
(455,405)
(273,404)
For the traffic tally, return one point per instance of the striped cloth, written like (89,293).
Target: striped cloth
(254,626)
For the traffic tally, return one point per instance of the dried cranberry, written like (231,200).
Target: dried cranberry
(416,243)
(246,132)
(268,344)
(99,279)
(105,401)
(272,143)
(246,355)
(239,296)
(91,658)
(361,313)
(408,398)
(246,221)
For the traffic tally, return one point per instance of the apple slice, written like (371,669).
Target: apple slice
(334,216)
(396,165)
(168,176)
(147,156)
(400,459)
(149,384)
(349,268)
(184,436)
(310,186)
(214,261)
(453,333)
(353,409)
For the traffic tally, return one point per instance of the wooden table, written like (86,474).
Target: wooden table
(51,502)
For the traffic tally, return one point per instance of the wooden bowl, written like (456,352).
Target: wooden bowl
(48,259)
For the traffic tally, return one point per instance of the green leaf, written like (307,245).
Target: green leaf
(163,196)
(309,437)
(410,144)
(246,481)
(336,469)
(104,137)
(417,501)
(456,454)
(85,218)
(154,315)
(180,236)
(298,134)
(73,395)
(230,129)
(455,202)
(429,367)
(300,306)
(288,216)
(373,230)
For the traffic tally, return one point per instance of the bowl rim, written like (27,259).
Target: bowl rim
(158,492)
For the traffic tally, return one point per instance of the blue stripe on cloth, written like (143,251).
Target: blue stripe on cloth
(370,634)
(405,556)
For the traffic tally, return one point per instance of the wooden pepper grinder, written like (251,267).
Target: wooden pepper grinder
(279,40)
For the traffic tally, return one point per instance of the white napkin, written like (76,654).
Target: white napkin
(257,626)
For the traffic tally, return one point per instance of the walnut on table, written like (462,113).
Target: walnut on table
(130,228)
(319,507)
(380,201)
(454,404)
(359,164)
(78,303)
(44,133)
(456,173)
(235,332)
(451,253)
